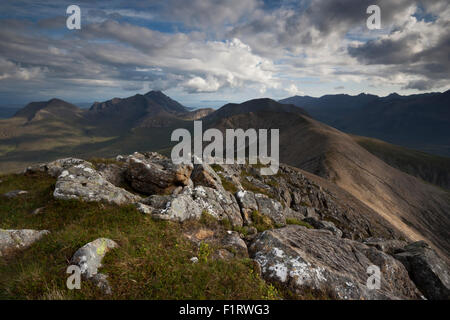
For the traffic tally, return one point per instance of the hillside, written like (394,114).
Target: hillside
(431,168)
(420,121)
(417,209)
(140,227)
(145,122)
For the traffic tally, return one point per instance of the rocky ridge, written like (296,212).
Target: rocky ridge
(302,236)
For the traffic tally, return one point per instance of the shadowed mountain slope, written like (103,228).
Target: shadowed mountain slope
(420,121)
(431,168)
(417,209)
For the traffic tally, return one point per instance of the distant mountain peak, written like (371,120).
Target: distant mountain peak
(52,108)
(255,105)
(155,93)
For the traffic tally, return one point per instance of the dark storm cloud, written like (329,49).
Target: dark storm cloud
(386,51)
(421,50)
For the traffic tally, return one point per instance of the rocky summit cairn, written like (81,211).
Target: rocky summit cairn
(89,259)
(11,240)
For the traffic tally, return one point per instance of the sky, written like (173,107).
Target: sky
(205,53)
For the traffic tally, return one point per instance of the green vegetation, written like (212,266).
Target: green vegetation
(204,251)
(299,223)
(216,167)
(152,262)
(261,222)
(228,185)
(208,220)
(247,185)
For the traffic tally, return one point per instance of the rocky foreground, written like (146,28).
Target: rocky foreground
(302,237)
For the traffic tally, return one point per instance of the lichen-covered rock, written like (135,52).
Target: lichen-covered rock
(430,273)
(151,173)
(270,208)
(55,168)
(308,260)
(11,240)
(89,259)
(249,202)
(84,183)
(220,204)
(175,208)
(191,203)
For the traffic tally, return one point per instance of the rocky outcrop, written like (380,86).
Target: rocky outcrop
(430,273)
(11,240)
(55,168)
(113,173)
(327,225)
(151,173)
(301,196)
(249,202)
(220,204)
(308,260)
(223,244)
(390,246)
(191,203)
(175,208)
(89,259)
(84,183)
(204,175)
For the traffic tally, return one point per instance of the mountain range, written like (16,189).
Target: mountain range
(407,189)
(420,121)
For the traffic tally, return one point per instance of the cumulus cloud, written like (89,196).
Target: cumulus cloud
(232,46)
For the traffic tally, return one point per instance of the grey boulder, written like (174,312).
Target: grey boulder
(174,208)
(151,173)
(191,203)
(11,240)
(55,168)
(89,259)
(84,183)
(220,204)
(204,175)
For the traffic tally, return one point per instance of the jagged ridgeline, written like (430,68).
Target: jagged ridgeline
(138,226)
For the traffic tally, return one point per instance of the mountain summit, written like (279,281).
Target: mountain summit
(52,109)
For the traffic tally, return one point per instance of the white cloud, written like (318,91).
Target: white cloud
(198,84)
